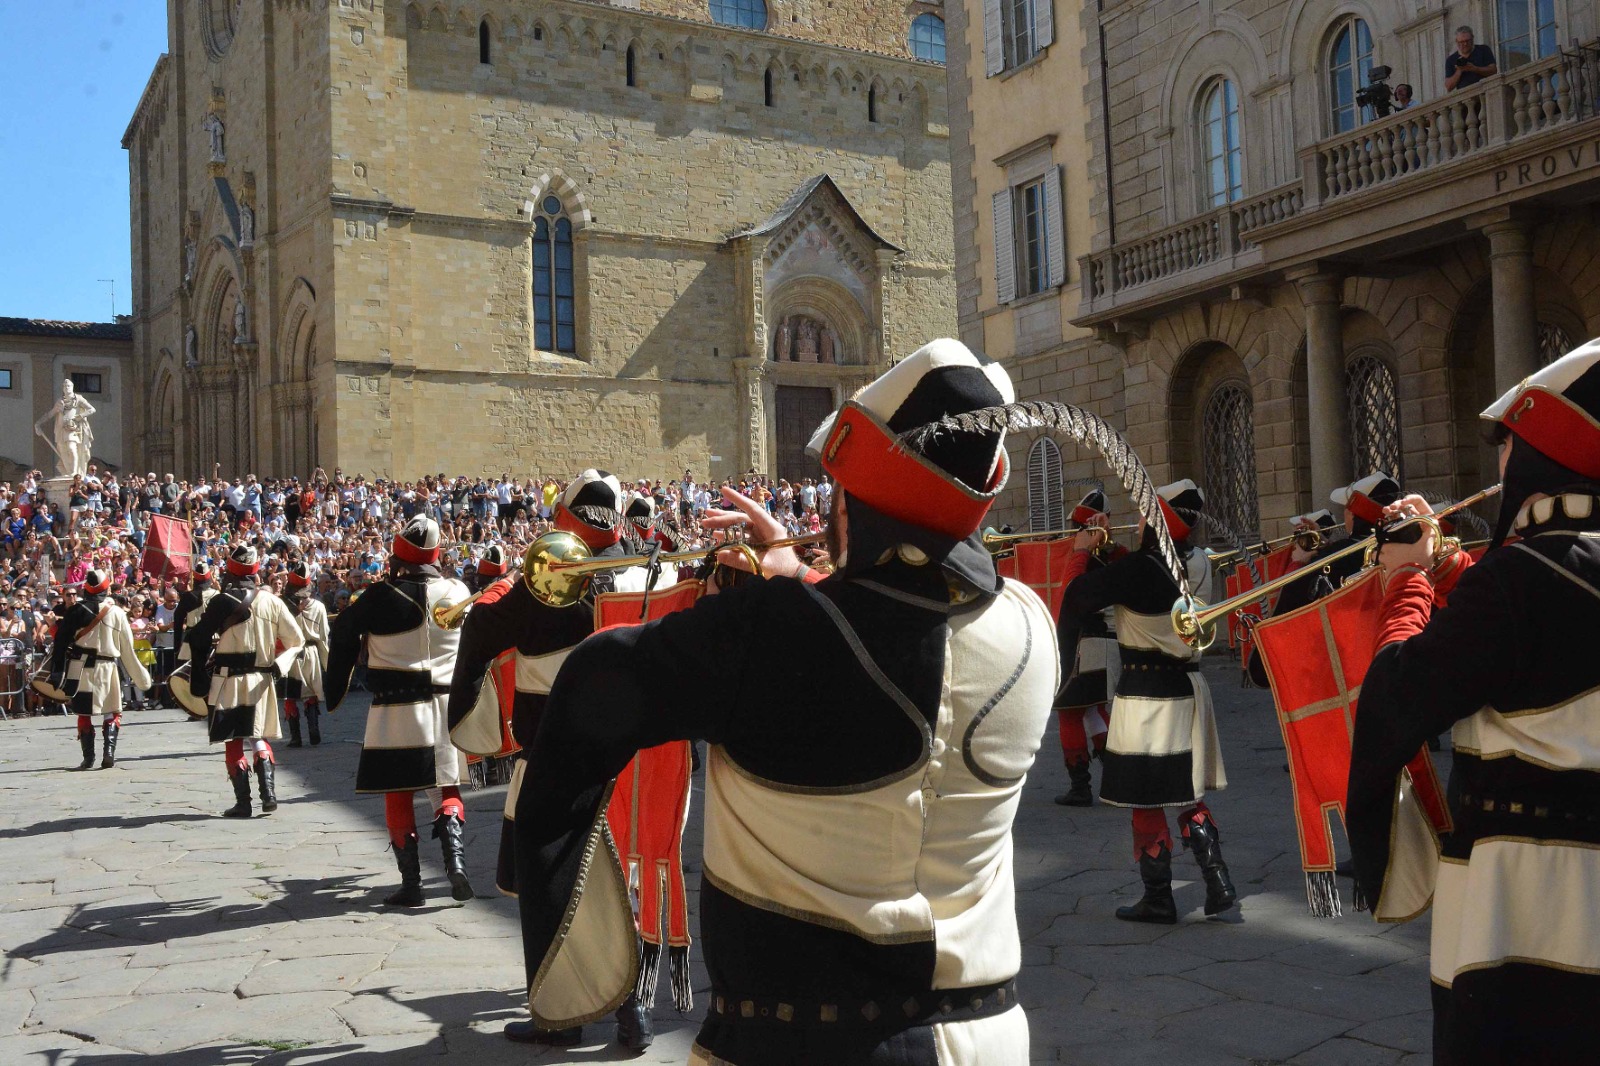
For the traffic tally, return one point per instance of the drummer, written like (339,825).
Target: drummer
(92,637)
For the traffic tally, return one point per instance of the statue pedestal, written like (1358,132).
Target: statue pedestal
(57,490)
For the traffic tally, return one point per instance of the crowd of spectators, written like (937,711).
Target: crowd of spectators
(340,525)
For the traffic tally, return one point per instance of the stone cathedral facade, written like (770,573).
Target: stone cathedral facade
(530,235)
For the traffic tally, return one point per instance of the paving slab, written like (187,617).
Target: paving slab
(165,933)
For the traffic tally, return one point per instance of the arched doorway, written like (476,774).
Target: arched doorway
(1212,413)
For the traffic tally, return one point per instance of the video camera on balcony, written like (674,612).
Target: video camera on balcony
(1376,94)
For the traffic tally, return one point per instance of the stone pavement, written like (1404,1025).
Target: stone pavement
(135,923)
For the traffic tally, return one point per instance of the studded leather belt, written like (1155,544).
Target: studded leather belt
(889,1011)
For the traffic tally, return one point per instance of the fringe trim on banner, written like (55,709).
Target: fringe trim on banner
(644,990)
(1322,894)
(682,990)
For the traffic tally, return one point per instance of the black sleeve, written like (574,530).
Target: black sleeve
(1414,690)
(344,643)
(486,633)
(202,635)
(1089,593)
(620,691)
(66,629)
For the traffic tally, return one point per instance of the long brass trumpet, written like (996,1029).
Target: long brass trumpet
(558,567)
(997,541)
(1196,624)
(454,615)
(1307,539)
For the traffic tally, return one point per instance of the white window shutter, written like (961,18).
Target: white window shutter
(994,37)
(1055,226)
(1044,24)
(1005,250)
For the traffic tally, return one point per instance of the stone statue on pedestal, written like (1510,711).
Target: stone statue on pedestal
(73,436)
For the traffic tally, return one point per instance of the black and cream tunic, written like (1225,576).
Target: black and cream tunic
(191,605)
(255,637)
(91,639)
(541,637)
(1092,674)
(858,901)
(1162,748)
(410,662)
(303,680)
(1511,665)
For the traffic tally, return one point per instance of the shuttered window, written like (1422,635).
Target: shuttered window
(1030,237)
(1015,31)
(1046,504)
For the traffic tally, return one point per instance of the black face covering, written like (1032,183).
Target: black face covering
(871,533)
(1530,471)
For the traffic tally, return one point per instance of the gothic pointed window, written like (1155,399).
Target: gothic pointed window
(1553,343)
(485,56)
(554,305)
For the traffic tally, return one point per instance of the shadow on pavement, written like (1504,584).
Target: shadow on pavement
(72,825)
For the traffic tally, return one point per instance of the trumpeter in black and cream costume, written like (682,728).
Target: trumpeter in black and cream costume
(1510,663)
(1361,503)
(244,639)
(92,637)
(511,618)
(191,604)
(490,567)
(301,686)
(410,661)
(1162,749)
(1086,692)
(858,901)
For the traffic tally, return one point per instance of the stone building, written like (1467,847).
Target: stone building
(1287,289)
(36,356)
(531,235)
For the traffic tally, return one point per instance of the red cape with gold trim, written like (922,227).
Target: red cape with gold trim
(1316,658)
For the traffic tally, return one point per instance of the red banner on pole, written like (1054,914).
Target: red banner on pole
(1273,565)
(650,804)
(168,548)
(1316,659)
(1039,565)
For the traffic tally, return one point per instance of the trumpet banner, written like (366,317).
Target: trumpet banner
(500,686)
(1273,565)
(648,810)
(1316,658)
(168,548)
(1039,565)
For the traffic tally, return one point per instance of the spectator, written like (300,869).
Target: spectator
(1403,96)
(1470,63)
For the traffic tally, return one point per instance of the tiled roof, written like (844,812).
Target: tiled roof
(44,327)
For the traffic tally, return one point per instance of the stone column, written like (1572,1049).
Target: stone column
(1328,418)
(750,382)
(1515,312)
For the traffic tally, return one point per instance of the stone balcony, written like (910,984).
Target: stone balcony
(1384,191)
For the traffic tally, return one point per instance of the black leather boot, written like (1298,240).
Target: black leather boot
(1156,904)
(110,731)
(529,1033)
(294,731)
(1081,794)
(266,777)
(311,712)
(241,793)
(635,1028)
(86,741)
(409,894)
(447,830)
(1201,836)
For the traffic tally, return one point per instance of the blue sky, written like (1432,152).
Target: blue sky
(71,72)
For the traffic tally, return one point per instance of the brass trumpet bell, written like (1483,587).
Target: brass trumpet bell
(542,569)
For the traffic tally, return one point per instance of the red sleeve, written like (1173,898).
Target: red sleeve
(1447,573)
(813,577)
(1407,606)
(1077,566)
